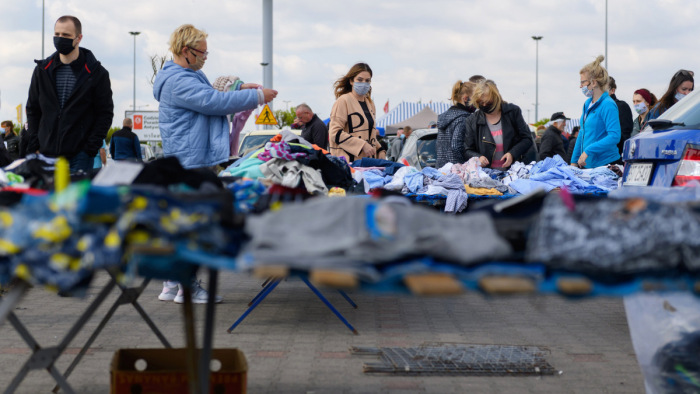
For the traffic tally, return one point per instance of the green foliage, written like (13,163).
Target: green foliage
(110,132)
(541,122)
(285,118)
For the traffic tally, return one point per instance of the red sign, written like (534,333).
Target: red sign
(138,122)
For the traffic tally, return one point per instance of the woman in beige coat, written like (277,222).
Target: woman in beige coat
(352,130)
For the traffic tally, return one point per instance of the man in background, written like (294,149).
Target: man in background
(125,145)
(70,108)
(313,130)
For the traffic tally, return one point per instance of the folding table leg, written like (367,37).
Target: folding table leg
(329,305)
(347,298)
(45,358)
(208,340)
(266,285)
(257,302)
(10,300)
(127,296)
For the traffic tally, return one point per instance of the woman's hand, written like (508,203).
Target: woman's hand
(508,160)
(368,150)
(582,160)
(484,161)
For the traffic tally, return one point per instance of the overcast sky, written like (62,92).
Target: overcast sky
(417,49)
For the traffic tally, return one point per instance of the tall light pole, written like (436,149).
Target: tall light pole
(606,34)
(134,33)
(42,28)
(537,76)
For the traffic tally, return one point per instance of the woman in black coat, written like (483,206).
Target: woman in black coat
(497,133)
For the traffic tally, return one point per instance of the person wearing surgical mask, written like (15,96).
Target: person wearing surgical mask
(643,100)
(352,130)
(600,132)
(69,107)
(496,134)
(682,83)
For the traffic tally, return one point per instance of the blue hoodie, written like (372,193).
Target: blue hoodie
(600,133)
(192,115)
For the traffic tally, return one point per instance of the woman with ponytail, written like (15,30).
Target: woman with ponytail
(597,141)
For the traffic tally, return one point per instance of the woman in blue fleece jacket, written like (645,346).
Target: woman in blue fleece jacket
(192,114)
(599,135)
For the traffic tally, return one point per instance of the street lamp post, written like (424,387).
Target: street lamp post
(606,34)
(42,28)
(537,76)
(134,33)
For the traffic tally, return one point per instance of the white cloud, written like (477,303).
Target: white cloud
(417,49)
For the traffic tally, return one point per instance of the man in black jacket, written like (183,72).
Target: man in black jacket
(314,130)
(625,113)
(70,108)
(552,143)
(124,144)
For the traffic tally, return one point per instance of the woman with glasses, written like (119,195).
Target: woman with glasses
(192,114)
(497,133)
(681,84)
(599,135)
(643,101)
(352,130)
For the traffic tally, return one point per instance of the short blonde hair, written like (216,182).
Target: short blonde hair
(185,36)
(487,87)
(597,73)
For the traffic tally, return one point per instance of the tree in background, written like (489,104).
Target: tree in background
(111,131)
(541,122)
(285,118)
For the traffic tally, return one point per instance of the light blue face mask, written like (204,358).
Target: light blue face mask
(361,88)
(640,108)
(402,136)
(679,96)
(586,92)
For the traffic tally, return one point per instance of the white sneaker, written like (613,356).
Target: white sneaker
(199,295)
(169,292)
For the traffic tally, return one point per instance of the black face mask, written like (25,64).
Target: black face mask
(63,45)
(488,108)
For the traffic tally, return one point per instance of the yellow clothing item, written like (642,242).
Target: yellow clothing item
(482,191)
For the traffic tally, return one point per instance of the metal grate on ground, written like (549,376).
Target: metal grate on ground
(458,359)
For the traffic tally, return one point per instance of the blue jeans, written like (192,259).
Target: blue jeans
(81,161)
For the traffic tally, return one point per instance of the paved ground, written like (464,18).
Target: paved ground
(295,345)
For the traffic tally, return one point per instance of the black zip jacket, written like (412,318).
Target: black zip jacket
(552,144)
(517,139)
(83,122)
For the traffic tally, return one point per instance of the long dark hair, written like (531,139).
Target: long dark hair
(669,98)
(342,85)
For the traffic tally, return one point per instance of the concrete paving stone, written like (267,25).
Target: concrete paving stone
(314,344)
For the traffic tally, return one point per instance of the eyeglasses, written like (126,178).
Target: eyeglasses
(687,73)
(204,53)
(584,81)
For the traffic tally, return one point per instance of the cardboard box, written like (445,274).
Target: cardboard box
(164,371)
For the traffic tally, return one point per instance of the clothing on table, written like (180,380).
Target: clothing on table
(457,197)
(615,236)
(351,128)
(390,166)
(280,150)
(488,183)
(79,124)
(290,173)
(480,191)
(357,233)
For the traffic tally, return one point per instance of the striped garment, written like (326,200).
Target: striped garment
(65,82)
